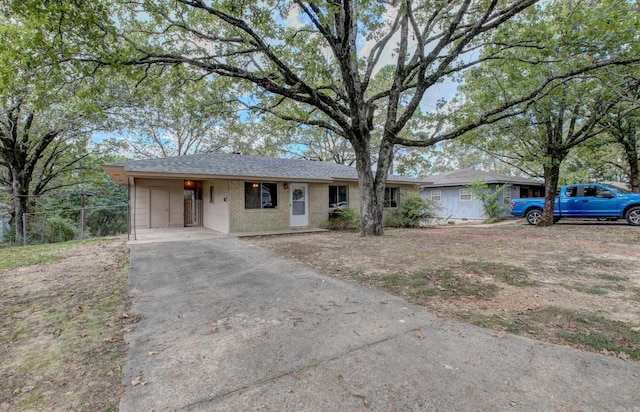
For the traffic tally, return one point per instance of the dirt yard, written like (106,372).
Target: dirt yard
(576,284)
(62,321)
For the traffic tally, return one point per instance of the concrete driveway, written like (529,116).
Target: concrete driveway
(226,325)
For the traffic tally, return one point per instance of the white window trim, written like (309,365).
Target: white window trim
(464,194)
(506,195)
(436,195)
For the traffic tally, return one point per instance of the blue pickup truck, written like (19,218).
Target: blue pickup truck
(595,200)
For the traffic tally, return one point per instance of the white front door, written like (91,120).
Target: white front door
(299,204)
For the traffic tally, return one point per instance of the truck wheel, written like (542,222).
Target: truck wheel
(633,216)
(534,216)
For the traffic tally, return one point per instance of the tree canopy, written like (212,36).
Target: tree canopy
(314,64)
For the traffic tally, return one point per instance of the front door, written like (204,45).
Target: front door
(299,205)
(192,203)
(158,207)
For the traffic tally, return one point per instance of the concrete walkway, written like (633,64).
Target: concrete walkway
(227,326)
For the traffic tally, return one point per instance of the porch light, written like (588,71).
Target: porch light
(255,185)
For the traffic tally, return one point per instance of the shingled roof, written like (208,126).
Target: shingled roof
(462,177)
(224,165)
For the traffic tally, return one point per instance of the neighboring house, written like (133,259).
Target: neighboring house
(233,193)
(450,191)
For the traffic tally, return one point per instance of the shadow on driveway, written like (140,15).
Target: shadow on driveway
(226,325)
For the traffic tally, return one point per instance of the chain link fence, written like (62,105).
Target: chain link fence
(81,223)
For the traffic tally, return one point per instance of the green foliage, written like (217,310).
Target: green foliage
(412,211)
(348,219)
(490,198)
(59,229)
(574,44)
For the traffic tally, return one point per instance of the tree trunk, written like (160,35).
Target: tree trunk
(372,186)
(371,204)
(634,168)
(634,176)
(21,204)
(551,178)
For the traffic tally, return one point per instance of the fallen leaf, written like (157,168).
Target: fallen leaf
(138,381)
(419,335)
(151,353)
(498,335)
(213,330)
(637,329)
(624,355)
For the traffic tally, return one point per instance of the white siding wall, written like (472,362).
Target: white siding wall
(216,214)
(455,209)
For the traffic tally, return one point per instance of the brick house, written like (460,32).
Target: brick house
(234,194)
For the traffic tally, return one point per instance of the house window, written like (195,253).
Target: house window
(436,195)
(338,196)
(259,195)
(391,196)
(465,194)
(211,194)
(506,195)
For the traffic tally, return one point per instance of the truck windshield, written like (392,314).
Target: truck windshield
(617,189)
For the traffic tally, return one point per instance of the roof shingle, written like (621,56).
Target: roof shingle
(461,177)
(223,164)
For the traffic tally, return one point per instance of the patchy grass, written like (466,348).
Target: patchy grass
(509,274)
(613,278)
(421,284)
(596,289)
(18,256)
(586,330)
(62,321)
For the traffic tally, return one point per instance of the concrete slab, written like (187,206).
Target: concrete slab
(280,232)
(227,326)
(177,234)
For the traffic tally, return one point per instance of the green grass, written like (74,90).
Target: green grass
(595,289)
(613,278)
(584,329)
(422,284)
(20,256)
(511,275)
(71,324)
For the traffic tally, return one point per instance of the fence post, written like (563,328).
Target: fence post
(24,229)
(82,214)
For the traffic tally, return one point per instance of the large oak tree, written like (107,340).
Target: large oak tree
(312,63)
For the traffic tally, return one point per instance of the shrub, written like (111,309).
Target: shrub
(490,199)
(348,219)
(60,230)
(413,209)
